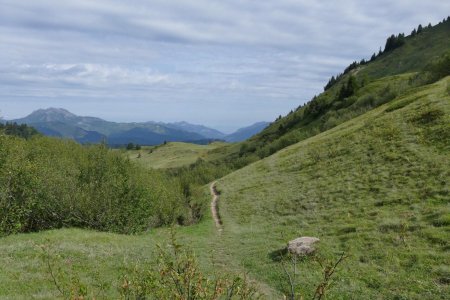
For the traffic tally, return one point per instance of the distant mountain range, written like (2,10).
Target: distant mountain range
(244,133)
(59,122)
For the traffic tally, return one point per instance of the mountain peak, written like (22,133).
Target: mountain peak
(51,114)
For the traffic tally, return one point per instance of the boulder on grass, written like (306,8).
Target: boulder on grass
(302,245)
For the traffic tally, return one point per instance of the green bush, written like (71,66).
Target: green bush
(439,68)
(49,183)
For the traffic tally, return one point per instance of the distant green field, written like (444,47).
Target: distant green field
(171,155)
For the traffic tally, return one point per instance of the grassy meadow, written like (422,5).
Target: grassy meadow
(171,155)
(375,187)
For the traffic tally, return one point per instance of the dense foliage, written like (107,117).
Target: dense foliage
(439,68)
(50,183)
(22,130)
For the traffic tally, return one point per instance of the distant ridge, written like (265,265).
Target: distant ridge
(59,122)
(246,132)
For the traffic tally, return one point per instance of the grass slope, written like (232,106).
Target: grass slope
(171,155)
(376,187)
(414,55)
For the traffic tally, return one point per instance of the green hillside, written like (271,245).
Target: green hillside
(390,75)
(375,187)
(418,51)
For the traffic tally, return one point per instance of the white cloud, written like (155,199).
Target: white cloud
(171,55)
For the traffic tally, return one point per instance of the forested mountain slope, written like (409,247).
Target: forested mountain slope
(404,65)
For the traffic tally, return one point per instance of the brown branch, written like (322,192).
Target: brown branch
(50,269)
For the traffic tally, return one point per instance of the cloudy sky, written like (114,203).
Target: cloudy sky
(222,63)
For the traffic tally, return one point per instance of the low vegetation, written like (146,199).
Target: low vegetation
(48,183)
(176,274)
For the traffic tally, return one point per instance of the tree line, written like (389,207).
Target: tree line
(392,42)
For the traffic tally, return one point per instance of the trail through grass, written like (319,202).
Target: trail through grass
(375,187)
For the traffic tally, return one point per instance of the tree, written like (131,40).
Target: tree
(23,131)
(419,29)
(330,83)
(349,88)
(394,42)
(130,146)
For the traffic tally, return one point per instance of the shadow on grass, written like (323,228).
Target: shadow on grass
(278,255)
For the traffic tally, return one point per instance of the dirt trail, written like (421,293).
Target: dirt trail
(265,290)
(214,206)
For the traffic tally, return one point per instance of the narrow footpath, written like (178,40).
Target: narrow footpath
(214,206)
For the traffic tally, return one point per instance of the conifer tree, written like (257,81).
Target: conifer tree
(419,29)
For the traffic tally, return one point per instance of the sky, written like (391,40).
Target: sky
(221,63)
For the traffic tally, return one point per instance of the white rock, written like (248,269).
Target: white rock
(302,245)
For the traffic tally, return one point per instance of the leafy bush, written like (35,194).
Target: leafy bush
(49,183)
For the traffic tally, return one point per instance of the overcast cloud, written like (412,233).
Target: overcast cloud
(225,64)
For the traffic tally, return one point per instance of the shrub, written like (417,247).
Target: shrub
(49,183)
(177,275)
(439,68)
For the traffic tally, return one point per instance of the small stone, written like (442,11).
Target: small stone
(302,245)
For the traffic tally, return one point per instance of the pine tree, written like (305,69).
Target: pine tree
(349,88)
(419,29)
